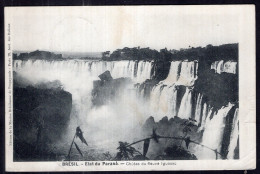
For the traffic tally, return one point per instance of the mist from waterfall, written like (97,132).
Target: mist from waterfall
(77,78)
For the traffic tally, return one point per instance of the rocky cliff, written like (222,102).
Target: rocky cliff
(40,119)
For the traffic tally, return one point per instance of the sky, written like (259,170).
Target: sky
(96,29)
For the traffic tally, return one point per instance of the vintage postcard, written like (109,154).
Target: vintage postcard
(123,88)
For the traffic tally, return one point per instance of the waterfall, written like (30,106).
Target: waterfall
(228,67)
(198,109)
(181,73)
(164,100)
(220,66)
(186,105)
(155,98)
(213,134)
(204,117)
(164,96)
(172,101)
(188,73)
(143,71)
(234,136)
(173,73)
(94,68)
(77,76)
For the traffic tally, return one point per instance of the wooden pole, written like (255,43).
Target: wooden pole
(71,147)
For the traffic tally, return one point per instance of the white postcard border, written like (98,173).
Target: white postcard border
(247,104)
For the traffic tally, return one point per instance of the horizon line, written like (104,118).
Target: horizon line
(120,48)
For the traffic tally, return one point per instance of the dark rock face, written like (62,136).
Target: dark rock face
(172,127)
(106,76)
(40,118)
(160,70)
(236,155)
(107,89)
(227,132)
(218,89)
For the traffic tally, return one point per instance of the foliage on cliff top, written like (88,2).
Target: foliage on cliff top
(38,55)
(211,53)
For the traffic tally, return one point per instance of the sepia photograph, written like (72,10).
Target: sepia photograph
(130,88)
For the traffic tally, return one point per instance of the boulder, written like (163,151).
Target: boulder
(172,127)
(106,76)
(107,89)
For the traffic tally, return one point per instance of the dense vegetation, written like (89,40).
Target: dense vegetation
(38,55)
(205,56)
(212,53)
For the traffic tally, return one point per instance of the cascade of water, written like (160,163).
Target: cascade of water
(172,101)
(228,67)
(233,137)
(204,117)
(155,98)
(186,105)
(220,66)
(143,71)
(214,65)
(98,67)
(213,134)
(208,117)
(187,74)
(117,68)
(198,109)
(164,101)
(181,73)
(127,69)
(120,69)
(167,102)
(173,73)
